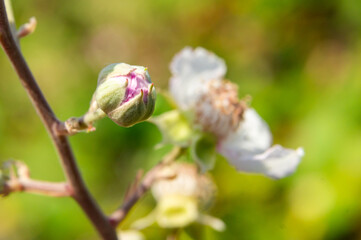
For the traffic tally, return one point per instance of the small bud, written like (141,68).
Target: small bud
(27,28)
(125,93)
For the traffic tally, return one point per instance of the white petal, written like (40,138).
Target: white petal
(276,162)
(280,162)
(186,93)
(200,63)
(246,149)
(191,68)
(252,136)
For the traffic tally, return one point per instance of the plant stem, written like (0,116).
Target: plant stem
(80,124)
(38,187)
(154,174)
(72,173)
(11,19)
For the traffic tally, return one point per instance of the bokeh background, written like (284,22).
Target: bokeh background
(300,60)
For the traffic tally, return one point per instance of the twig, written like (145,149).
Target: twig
(19,181)
(72,173)
(133,196)
(118,216)
(80,124)
(72,126)
(38,187)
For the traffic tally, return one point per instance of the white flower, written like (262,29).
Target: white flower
(243,137)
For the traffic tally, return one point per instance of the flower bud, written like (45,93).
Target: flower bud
(125,93)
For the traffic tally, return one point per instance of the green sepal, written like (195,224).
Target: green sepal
(203,151)
(129,113)
(136,110)
(174,127)
(110,94)
(149,103)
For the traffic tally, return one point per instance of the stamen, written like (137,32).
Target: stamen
(219,111)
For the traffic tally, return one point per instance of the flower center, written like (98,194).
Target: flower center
(219,110)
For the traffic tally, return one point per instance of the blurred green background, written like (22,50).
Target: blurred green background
(300,60)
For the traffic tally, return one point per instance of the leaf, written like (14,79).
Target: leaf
(203,151)
(174,127)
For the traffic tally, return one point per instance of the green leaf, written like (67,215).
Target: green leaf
(203,151)
(174,127)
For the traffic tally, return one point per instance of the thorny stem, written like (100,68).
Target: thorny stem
(119,215)
(72,173)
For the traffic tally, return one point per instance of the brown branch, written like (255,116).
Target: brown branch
(38,187)
(18,180)
(136,193)
(118,216)
(72,173)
